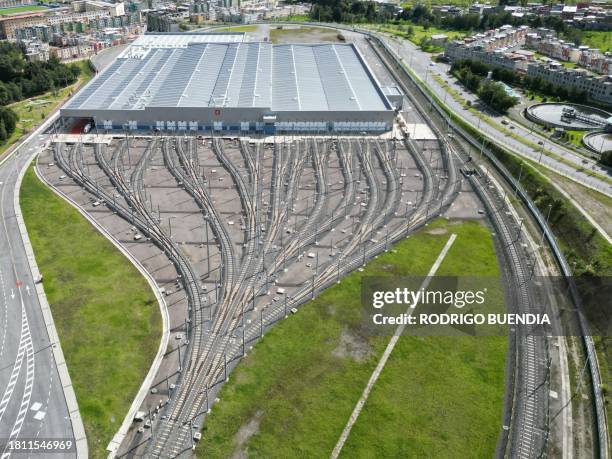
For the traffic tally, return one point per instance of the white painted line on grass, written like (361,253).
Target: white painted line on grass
(383,360)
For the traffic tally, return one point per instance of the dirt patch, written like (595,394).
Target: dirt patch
(303,35)
(243,435)
(437,231)
(352,346)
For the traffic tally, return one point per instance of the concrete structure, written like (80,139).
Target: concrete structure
(497,47)
(84,15)
(598,88)
(545,42)
(11,22)
(84,6)
(204,82)
(14,3)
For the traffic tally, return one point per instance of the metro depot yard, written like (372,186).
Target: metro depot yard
(239,233)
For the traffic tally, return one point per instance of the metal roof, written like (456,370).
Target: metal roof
(181,40)
(284,77)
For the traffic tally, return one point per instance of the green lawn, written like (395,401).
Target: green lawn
(105,312)
(575,138)
(437,397)
(22,9)
(418,33)
(597,39)
(31,112)
(241,28)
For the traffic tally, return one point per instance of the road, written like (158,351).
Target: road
(421,64)
(32,400)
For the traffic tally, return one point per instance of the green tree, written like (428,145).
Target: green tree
(606,158)
(3,133)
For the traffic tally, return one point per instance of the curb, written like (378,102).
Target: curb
(73,408)
(117,439)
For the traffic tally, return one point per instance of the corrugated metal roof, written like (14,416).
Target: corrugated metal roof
(308,77)
(182,40)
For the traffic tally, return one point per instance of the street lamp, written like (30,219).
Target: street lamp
(543,229)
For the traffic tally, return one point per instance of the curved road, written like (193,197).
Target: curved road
(32,401)
(421,64)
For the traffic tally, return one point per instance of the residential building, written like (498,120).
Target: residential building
(9,23)
(14,3)
(598,88)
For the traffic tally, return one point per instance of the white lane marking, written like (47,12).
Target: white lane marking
(27,392)
(12,294)
(5,325)
(8,392)
(28,290)
(383,360)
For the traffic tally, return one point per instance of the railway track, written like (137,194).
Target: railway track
(300,171)
(528,428)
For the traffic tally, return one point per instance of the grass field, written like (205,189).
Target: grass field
(105,312)
(597,39)
(418,34)
(32,112)
(437,397)
(22,9)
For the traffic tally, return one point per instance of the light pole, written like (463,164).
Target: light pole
(543,229)
(541,153)
(519,180)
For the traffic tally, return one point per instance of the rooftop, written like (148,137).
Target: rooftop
(196,73)
(181,40)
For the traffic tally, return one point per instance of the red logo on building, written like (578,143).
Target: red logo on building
(217,112)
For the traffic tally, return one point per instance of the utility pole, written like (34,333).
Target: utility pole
(543,229)
(179,358)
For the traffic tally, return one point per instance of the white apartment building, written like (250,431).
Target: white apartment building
(599,88)
(497,48)
(86,16)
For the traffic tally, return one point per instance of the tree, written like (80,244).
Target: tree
(492,94)
(606,158)
(10,119)
(3,133)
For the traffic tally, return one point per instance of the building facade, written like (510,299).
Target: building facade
(215,82)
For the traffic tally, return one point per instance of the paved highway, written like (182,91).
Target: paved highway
(32,401)
(421,64)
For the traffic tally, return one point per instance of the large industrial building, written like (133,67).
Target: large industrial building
(204,82)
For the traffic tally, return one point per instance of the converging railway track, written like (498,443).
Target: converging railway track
(304,212)
(310,211)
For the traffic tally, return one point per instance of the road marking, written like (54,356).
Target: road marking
(8,392)
(29,383)
(5,323)
(383,360)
